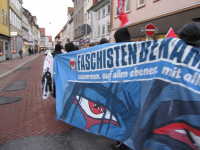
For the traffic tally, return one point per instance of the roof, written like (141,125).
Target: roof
(42,31)
(70,9)
(34,17)
(50,38)
(96,5)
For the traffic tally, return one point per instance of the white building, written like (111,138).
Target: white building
(100,21)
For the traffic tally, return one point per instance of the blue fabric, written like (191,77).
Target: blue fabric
(145,94)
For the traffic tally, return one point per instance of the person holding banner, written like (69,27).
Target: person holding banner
(121,35)
(58,48)
(103,41)
(190,34)
(69,47)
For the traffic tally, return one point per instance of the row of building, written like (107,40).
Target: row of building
(19,30)
(103,18)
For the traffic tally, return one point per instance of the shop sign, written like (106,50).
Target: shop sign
(80,41)
(13,33)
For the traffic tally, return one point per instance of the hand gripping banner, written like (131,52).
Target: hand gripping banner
(146,94)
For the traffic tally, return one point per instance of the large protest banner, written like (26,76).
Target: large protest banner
(146,94)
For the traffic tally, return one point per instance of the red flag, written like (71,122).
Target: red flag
(122,16)
(171,33)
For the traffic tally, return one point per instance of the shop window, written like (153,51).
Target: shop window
(3,16)
(108,8)
(1,48)
(141,3)
(127,5)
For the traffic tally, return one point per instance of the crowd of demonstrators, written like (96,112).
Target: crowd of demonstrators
(190,34)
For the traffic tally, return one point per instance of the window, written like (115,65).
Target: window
(10,16)
(103,12)
(99,14)
(108,27)
(127,5)
(1,49)
(108,8)
(88,15)
(85,16)
(103,30)
(98,30)
(3,16)
(6,17)
(117,10)
(141,3)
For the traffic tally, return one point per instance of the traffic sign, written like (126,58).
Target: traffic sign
(150,29)
(85,29)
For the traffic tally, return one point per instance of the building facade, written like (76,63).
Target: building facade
(100,21)
(78,19)
(87,5)
(163,14)
(25,34)
(5,52)
(70,29)
(15,26)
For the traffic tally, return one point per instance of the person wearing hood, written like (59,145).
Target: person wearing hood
(190,34)
(122,35)
(76,48)
(69,47)
(57,50)
(103,41)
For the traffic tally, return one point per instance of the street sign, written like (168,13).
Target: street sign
(85,29)
(150,29)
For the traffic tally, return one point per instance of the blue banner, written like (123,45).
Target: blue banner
(145,94)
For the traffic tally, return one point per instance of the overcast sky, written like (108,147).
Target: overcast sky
(49,11)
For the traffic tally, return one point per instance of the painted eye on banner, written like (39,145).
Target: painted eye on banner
(96,108)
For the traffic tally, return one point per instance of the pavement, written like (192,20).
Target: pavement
(27,122)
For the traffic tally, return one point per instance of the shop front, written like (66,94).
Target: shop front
(25,48)
(4,47)
(176,21)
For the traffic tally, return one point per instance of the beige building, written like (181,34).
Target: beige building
(87,5)
(163,14)
(16,26)
(78,19)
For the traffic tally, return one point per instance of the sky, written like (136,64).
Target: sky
(51,14)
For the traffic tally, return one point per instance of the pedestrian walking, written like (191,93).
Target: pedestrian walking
(32,51)
(29,51)
(20,53)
